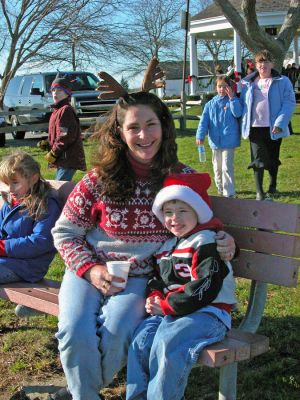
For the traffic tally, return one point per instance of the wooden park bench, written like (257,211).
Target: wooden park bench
(268,236)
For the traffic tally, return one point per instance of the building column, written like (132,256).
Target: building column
(296,50)
(237,51)
(193,65)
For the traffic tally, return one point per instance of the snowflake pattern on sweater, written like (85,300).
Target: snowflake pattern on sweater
(93,229)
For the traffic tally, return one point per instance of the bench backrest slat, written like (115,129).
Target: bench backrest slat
(258,214)
(266,268)
(268,236)
(266,242)
(64,188)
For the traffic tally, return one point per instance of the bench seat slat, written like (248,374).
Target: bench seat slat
(237,346)
(39,299)
(257,214)
(266,268)
(266,242)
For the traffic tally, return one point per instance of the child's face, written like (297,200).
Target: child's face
(179,217)
(222,88)
(19,186)
(58,94)
(142,132)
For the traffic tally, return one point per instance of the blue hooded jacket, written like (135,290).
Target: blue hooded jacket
(28,242)
(220,120)
(282,103)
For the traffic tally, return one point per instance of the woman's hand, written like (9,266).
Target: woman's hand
(153,306)
(276,129)
(225,245)
(99,277)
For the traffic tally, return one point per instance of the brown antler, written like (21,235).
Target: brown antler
(153,75)
(110,87)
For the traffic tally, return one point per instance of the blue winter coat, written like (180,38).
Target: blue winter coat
(28,243)
(282,103)
(219,120)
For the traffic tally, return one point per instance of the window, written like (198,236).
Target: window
(26,86)
(37,83)
(13,86)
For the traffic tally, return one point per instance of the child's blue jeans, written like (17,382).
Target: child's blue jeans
(163,351)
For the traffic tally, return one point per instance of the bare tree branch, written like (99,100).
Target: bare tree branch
(40,30)
(254,36)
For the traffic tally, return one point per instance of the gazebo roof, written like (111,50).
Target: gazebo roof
(261,6)
(211,23)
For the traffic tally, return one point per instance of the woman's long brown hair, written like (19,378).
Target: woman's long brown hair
(112,166)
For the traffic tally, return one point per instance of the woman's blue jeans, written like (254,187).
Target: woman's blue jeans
(163,352)
(94,332)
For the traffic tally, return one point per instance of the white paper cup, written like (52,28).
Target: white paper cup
(120,269)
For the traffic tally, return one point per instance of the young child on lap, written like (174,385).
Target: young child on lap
(191,298)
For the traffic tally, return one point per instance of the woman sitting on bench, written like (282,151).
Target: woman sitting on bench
(30,211)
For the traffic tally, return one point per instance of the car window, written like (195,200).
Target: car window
(93,81)
(83,81)
(48,81)
(79,81)
(13,86)
(37,82)
(26,86)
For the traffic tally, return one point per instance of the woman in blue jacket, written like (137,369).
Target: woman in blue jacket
(220,120)
(29,213)
(268,104)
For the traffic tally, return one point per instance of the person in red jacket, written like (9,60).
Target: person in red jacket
(191,298)
(65,145)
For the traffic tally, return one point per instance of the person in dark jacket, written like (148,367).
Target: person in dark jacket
(27,216)
(65,142)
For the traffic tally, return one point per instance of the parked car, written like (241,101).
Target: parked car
(28,99)
(2,134)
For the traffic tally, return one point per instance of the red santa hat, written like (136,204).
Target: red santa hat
(190,188)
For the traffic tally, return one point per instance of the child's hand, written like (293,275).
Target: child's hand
(153,306)
(229,92)
(198,142)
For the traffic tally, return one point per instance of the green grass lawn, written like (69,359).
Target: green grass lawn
(28,349)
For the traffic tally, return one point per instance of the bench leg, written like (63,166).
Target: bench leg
(256,306)
(227,382)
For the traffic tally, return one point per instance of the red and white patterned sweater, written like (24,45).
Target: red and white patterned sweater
(94,229)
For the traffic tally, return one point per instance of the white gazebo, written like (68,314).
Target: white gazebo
(212,24)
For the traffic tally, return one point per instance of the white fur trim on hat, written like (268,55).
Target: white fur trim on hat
(183,193)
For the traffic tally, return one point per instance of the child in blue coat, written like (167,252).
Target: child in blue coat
(220,120)
(29,213)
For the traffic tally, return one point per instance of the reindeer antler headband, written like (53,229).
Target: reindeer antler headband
(112,89)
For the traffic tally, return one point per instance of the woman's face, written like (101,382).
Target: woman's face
(264,68)
(142,132)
